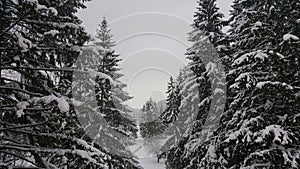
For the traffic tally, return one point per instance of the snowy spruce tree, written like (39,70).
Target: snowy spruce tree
(170,114)
(100,131)
(260,126)
(39,44)
(197,147)
(111,97)
(184,98)
(103,114)
(151,124)
(150,111)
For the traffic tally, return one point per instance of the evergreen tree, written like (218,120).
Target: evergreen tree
(177,127)
(171,111)
(196,149)
(39,42)
(102,133)
(150,111)
(36,120)
(105,118)
(111,97)
(259,126)
(170,115)
(151,127)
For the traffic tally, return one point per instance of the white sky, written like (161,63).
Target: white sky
(152,39)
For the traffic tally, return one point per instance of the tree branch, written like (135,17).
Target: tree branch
(24,126)
(21,90)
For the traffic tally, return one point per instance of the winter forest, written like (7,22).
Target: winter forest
(234,105)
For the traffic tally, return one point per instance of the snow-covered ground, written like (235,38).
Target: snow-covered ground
(147,159)
(151,163)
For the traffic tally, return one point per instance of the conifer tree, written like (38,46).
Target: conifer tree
(111,97)
(39,44)
(111,139)
(180,121)
(103,115)
(259,126)
(150,111)
(171,111)
(151,123)
(195,148)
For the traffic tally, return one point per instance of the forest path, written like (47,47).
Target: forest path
(146,159)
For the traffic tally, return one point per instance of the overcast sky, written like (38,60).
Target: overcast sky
(151,37)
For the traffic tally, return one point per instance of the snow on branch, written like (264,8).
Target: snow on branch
(261,85)
(24,43)
(62,103)
(279,135)
(38,7)
(51,32)
(288,37)
(259,54)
